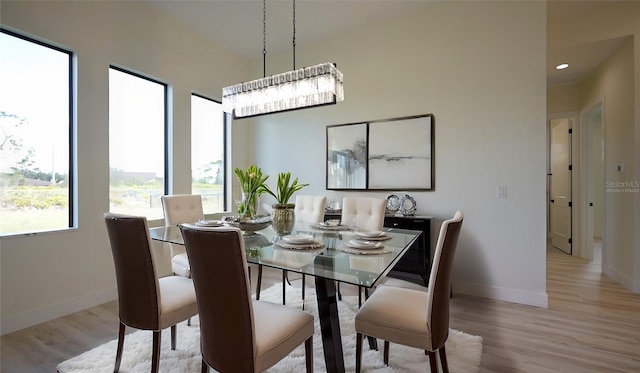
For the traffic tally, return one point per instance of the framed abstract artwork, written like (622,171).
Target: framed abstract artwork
(389,154)
(347,156)
(401,154)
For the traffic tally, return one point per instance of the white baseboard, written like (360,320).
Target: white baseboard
(53,311)
(503,294)
(621,278)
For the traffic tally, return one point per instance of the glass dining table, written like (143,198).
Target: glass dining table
(336,256)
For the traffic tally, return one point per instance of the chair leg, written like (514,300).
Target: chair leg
(338,290)
(116,368)
(284,287)
(359,297)
(308,353)
(303,286)
(385,356)
(155,352)
(433,362)
(205,367)
(259,285)
(358,352)
(189,321)
(173,336)
(443,360)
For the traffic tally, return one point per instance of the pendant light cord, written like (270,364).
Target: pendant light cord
(264,38)
(294,34)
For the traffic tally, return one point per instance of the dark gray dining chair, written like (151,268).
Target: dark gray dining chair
(145,301)
(238,334)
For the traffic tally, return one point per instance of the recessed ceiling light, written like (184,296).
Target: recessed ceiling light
(562,66)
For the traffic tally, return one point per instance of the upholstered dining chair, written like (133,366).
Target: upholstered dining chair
(362,213)
(178,209)
(308,210)
(423,319)
(238,334)
(145,301)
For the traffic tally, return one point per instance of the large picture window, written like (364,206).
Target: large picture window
(137,143)
(36,116)
(208,152)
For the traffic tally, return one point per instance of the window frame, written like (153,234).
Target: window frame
(226,120)
(72,222)
(166,126)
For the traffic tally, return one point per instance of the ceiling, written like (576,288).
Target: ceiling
(238,26)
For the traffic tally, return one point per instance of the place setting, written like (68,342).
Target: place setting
(299,242)
(365,247)
(371,235)
(209,223)
(331,225)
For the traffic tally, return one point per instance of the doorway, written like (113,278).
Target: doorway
(593,179)
(559,206)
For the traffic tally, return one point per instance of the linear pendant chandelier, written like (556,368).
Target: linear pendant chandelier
(307,87)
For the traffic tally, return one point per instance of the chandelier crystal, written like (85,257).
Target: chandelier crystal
(302,88)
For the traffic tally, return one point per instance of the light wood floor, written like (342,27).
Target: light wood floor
(592,325)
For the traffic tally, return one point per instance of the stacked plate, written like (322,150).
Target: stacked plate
(209,223)
(331,225)
(299,239)
(299,242)
(371,235)
(364,245)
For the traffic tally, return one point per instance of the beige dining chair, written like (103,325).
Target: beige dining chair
(365,214)
(308,210)
(178,209)
(238,334)
(145,301)
(423,319)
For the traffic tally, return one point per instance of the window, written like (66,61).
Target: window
(208,152)
(137,143)
(36,116)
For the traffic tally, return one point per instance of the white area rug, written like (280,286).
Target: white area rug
(464,351)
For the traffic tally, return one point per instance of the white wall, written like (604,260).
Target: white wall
(48,275)
(612,82)
(479,67)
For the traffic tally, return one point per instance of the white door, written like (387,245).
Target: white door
(560,167)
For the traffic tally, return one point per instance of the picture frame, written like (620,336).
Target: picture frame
(385,155)
(346,157)
(400,154)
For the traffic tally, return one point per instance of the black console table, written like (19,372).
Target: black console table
(415,264)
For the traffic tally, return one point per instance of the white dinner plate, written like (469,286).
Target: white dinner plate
(331,223)
(298,238)
(209,223)
(364,244)
(369,233)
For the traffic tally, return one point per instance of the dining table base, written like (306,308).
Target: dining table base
(329,325)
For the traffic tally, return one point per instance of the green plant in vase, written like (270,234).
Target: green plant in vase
(252,183)
(283,217)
